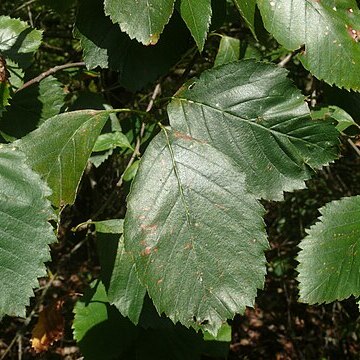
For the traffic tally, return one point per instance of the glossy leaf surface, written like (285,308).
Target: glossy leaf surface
(187,226)
(251,112)
(143,20)
(329,30)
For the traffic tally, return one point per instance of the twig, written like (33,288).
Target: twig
(50,72)
(354,146)
(285,60)
(22,6)
(20,351)
(30,16)
(135,154)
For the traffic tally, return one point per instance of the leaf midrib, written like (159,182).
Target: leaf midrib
(248,121)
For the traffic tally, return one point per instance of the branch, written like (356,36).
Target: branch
(49,72)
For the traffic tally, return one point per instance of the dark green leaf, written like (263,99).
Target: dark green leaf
(113,226)
(111,141)
(329,30)
(247,11)
(130,173)
(102,333)
(252,112)
(18,41)
(4,95)
(183,217)
(138,65)
(229,50)
(118,270)
(98,159)
(32,106)
(25,231)
(16,78)
(143,20)
(197,16)
(344,120)
(70,137)
(329,260)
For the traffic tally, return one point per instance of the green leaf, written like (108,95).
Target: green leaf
(60,148)
(18,41)
(118,270)
(329,260)
(138,65)
(25,231)
(52,96)
(98,159)
(183,217)
(344,120)
(111,141)
(197,16)
(130,173)
(329,30)
(247,11)
(16,78)
(99,329)
(112,226)
(229,50)
(224,334)
(143,20)
(219,345)
(102,333)
(32,106)
(4,95)
(251,112)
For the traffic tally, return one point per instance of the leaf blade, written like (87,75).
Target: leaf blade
(247,11)
(297,22)
(142,20)
(229,50)
(197,16)
(71,137)
(118,270)
(329,258)
(25,231)
(166,229)
(252,113)
(18,41)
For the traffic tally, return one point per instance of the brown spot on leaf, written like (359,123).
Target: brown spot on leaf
(160,281)
(49,327)
(354,34)
(146,251)
(149,228)
(180,135)
(188,246)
